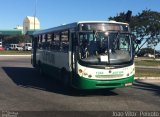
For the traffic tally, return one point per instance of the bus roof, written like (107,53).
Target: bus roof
(73,25)
(109,22)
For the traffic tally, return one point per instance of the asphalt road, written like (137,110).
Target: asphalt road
(23,89)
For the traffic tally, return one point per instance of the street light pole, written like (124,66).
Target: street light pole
(154,52)
(35,15)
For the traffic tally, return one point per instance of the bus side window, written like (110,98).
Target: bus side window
(57,41)
(52,42)
(65,41)
(48,43)
(39,42)
(43,41)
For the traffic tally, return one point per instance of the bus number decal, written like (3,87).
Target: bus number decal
(117,72)
(99,73)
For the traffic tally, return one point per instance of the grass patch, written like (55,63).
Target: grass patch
(10,52)
(147,62)
(147,72)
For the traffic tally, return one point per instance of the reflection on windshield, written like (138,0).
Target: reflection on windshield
(98,47)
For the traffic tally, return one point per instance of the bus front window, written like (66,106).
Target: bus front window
(101,48)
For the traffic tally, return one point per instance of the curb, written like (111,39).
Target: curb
(148,67)
(15,55)
(147,78)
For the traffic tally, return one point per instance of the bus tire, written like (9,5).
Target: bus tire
(64,77)
(40,69)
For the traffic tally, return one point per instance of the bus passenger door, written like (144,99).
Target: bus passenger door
(74,54)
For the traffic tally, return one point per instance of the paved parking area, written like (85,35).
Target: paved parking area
(23,89)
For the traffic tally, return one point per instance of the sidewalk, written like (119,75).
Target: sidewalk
(148,67)
(14,55)
(147,78)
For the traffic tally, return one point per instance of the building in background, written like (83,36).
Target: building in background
(30,23)
(21,33)
(19,27)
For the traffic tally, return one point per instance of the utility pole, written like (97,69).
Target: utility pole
(155,50)
(35,12)
(1,39)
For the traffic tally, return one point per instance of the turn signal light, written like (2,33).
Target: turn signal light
(80,71)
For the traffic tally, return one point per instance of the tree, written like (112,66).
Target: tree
(144,51)
(28,39)
(14,39)
(145,26)
(121,17)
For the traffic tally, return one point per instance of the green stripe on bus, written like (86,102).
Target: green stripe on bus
(84,83)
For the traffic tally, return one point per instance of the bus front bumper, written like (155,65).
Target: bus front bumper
(84,83)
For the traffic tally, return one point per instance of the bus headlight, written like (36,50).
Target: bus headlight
(80,71)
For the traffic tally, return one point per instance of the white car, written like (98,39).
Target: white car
(19,48)
(28,46)
(13,46)
(0,44)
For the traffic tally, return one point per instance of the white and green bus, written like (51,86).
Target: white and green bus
(86,54)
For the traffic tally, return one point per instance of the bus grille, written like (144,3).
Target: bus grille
(109,76)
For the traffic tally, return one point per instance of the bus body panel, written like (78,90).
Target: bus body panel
(84,83)
(91,78)
(55,59)
(107,73)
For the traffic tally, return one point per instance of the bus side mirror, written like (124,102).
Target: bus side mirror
(138,41)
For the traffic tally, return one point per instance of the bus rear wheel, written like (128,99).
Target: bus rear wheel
(64,77)
(40,69)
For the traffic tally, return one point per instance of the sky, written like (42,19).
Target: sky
(57,12)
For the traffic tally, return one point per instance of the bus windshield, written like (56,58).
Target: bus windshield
(102,48)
